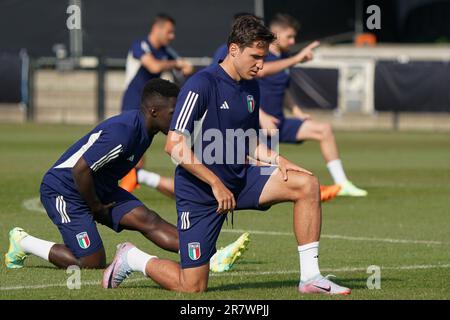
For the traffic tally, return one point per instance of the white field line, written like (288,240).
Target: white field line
(336,236)
(34,204)
(236,274)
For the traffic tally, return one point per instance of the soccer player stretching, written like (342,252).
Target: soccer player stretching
(225,97)
(81,189)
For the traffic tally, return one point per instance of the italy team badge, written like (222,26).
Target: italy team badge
(250,103)
(83,240)
(194,250)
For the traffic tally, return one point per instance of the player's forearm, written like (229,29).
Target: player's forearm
(179,150)
(276,66)
(157,66)
(265,154)
(84,182)
(201,172)
(165,65)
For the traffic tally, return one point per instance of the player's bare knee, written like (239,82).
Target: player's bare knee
(309,187)
(193,284)
(314,185)
(196,288)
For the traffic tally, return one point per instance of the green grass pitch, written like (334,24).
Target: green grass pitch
(402,226)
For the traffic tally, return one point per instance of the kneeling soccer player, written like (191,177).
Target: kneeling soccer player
(225,97)
(82,189)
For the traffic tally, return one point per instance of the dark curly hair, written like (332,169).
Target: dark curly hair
(247,30)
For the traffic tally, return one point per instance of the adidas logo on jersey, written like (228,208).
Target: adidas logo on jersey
(225,106)
(131,158)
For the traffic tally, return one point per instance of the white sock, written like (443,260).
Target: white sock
(148,178)
(309,261)
(38,247)
(137,260)
(337,171)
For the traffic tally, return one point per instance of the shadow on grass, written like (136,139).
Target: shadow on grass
(353,283)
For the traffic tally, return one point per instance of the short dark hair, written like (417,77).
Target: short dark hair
(285,20)
(158,88)
(163,17)
(248,29)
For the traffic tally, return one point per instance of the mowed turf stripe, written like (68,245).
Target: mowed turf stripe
(236,274)
(336,236)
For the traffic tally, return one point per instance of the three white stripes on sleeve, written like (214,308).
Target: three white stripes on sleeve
(186,111)
(114,153)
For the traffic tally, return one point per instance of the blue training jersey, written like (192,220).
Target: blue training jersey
(273,88)
(137,75)
(211,99)
(111,150)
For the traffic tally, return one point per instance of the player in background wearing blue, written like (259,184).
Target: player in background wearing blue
(221,98)
(274,82)
(148,58)
(82,188)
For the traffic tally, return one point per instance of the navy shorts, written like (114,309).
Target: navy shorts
(288,128)
(75,221)
(199,227)
(287,133)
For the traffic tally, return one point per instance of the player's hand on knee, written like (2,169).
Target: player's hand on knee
(101,213)
(285,165)
(224,197)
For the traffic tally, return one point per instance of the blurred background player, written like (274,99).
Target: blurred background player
(81,189)
(148,58)
(274,82)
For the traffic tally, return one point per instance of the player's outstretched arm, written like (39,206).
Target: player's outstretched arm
(157,66)
(272,67)
(178,149)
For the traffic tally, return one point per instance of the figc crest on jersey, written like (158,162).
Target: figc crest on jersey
(250,103)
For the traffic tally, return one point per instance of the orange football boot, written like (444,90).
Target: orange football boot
(329,192)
